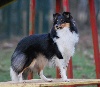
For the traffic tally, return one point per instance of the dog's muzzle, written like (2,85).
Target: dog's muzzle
(58,26)
(62,26)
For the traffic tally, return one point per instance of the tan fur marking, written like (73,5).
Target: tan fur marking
(30,66)
(23,70)
(32,63)
(65,25)
(41,62)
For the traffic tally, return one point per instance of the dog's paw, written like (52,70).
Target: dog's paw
(22,81)
(48,80)
(65,80)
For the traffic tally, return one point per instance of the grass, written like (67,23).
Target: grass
(5,56)
(83,67)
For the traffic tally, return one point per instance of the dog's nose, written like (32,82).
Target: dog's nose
(56,26)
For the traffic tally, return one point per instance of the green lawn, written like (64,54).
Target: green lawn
(83,67)
(5,56)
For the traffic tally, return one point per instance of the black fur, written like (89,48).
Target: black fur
(29,47)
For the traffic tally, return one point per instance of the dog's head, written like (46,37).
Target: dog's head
(64,20)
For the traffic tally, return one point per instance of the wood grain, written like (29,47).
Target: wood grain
(55,82)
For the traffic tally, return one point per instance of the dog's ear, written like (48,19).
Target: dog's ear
(55,16)
(66,14)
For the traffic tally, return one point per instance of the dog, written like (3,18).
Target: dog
(39,49)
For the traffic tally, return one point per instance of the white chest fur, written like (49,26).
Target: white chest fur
(66,42)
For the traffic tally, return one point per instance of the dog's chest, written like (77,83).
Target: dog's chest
(66,42)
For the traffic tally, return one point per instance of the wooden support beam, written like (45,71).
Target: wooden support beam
(31,26)
(56,82)
(32,17)
(58,6)
(95,37)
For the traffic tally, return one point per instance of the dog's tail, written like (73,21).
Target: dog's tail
(18,61)
(13,75)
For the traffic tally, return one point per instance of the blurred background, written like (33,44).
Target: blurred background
(14,25)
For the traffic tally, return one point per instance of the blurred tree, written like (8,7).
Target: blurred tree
(42,16)
(8,22)
(97,4)
(14,19)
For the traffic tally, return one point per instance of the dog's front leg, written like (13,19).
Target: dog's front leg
(62,66)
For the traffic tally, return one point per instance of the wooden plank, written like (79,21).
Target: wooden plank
(55,82)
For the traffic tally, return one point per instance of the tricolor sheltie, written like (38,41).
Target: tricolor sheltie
(39,49)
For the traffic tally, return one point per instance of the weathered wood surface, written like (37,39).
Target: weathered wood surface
(55,82)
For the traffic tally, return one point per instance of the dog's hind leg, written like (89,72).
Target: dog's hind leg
(41,62)
(43,77)
(15,77)
(20,77)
